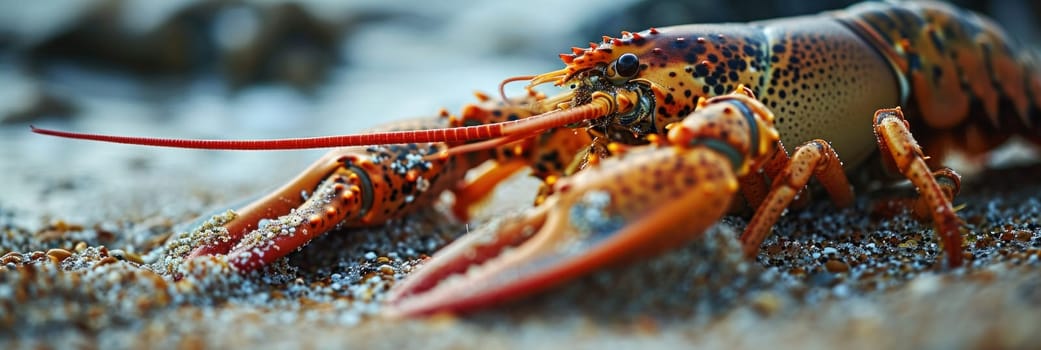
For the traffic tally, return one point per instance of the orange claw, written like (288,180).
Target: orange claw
(639,203)
(588,224)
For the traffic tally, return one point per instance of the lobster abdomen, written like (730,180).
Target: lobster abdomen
(966,84)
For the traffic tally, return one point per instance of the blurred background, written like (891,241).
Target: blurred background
(268,68)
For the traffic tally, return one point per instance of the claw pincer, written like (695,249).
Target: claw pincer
(635,205)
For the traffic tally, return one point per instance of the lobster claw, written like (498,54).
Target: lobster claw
(586,225)
(492,264)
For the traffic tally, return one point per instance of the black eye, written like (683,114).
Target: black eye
(627,65)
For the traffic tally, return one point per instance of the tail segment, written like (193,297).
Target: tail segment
(963,75)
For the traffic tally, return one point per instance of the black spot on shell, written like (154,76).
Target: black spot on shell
(699,49)
(749,50)
(663,112)
(680,43)
(690,57)
(700,70)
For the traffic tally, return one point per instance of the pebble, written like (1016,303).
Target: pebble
(105,261)
(123,255)
(59,254)
(766,304)
(12,258)
(836,266)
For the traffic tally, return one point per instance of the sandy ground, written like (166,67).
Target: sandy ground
(827,278)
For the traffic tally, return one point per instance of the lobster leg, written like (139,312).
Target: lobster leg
(899,147)
(815,158)
(950,184)
(468,194)
(545,154)
(754,185)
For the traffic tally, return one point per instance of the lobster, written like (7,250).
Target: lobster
(654,137)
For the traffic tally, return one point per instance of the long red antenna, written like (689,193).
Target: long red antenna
(477,132)
(530,125)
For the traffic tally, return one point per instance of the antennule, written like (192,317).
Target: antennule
(502,85)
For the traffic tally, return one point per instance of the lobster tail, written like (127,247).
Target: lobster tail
(1032,61)
(959,70)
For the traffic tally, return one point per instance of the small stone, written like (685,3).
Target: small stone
(766,304)
(123,255)
(836,266)
(105,261)
(134,258)
(909,244)
(59,254)
(647,325)
(11,258)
